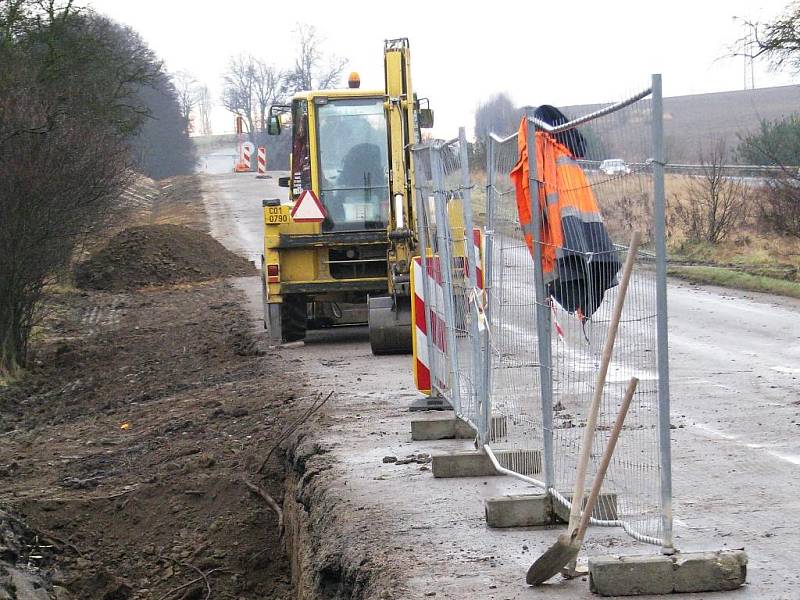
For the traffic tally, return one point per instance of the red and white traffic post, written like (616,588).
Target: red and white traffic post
(262,162)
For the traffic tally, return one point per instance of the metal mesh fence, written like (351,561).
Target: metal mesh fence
(448,246)
(550,301)
(512,355)
(427,168)
(520,359)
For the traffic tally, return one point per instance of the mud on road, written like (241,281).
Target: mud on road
(122,452)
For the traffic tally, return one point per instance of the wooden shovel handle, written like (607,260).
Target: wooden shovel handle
(608,348)
(597,484)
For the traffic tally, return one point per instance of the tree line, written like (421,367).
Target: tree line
(84,104)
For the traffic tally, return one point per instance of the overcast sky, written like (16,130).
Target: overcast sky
(464,52)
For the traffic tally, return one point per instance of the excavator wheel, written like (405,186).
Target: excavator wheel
(389,325)
(294,318)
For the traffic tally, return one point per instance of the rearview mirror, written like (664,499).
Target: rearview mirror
(274,125)
(425,118)
(283,182)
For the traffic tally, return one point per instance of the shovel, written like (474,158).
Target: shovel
(594,408)
(566,548)
(591,422)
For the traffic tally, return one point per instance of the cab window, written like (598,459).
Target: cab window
(353,163)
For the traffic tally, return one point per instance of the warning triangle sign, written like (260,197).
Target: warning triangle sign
(308,208)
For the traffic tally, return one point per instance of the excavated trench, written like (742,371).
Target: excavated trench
(330,556)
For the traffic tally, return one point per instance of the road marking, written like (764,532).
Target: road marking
(713,432)
(793,459)
(790,458)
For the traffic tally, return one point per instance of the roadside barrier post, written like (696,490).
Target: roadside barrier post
(665,452)
(262,162)
(542,311)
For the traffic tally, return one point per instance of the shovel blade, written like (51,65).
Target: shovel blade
(553,560)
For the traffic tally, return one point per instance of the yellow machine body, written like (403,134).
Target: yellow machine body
(351,148)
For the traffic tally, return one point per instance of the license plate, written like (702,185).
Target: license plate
(277,215)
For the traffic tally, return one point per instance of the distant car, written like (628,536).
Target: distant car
(615,166)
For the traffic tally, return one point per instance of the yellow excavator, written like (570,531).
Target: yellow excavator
(338,249)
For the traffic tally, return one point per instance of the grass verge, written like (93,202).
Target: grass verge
(736,279)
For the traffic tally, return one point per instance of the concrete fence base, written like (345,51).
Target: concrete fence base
(539,510)
(689,572)
(478,464)
(452,428)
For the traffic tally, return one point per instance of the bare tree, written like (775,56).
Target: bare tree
(716,204)
(204,106)
(188,93)
(266,90)
(250,86)
(238,85)
(497,115)
(312,69)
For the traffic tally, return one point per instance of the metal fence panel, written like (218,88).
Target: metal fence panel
(519,359)
(435,309)
(443,191)
(542,384)
(513,379)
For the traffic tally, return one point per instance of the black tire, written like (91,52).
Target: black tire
(294,318)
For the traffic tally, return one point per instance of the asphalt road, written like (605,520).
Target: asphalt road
(735,377)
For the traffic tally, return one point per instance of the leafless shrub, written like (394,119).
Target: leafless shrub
(716,204)
(626,212)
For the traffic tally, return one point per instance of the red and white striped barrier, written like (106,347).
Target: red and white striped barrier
(262,162)
(419,307)
(477,240)
(246,156)
(423,362)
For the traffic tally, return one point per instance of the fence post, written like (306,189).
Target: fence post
(665,452)
(542,312)
(446,265)
(488,272)
(424,245)
(472,266)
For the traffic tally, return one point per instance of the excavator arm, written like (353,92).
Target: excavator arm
(390,315)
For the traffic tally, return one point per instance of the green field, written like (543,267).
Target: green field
(736,279)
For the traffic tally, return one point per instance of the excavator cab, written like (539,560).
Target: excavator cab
(347,259)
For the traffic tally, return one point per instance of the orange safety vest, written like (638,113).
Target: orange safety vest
(579,261)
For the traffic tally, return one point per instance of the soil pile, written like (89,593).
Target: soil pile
(158,255)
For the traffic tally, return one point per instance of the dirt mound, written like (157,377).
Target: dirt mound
(158,255)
